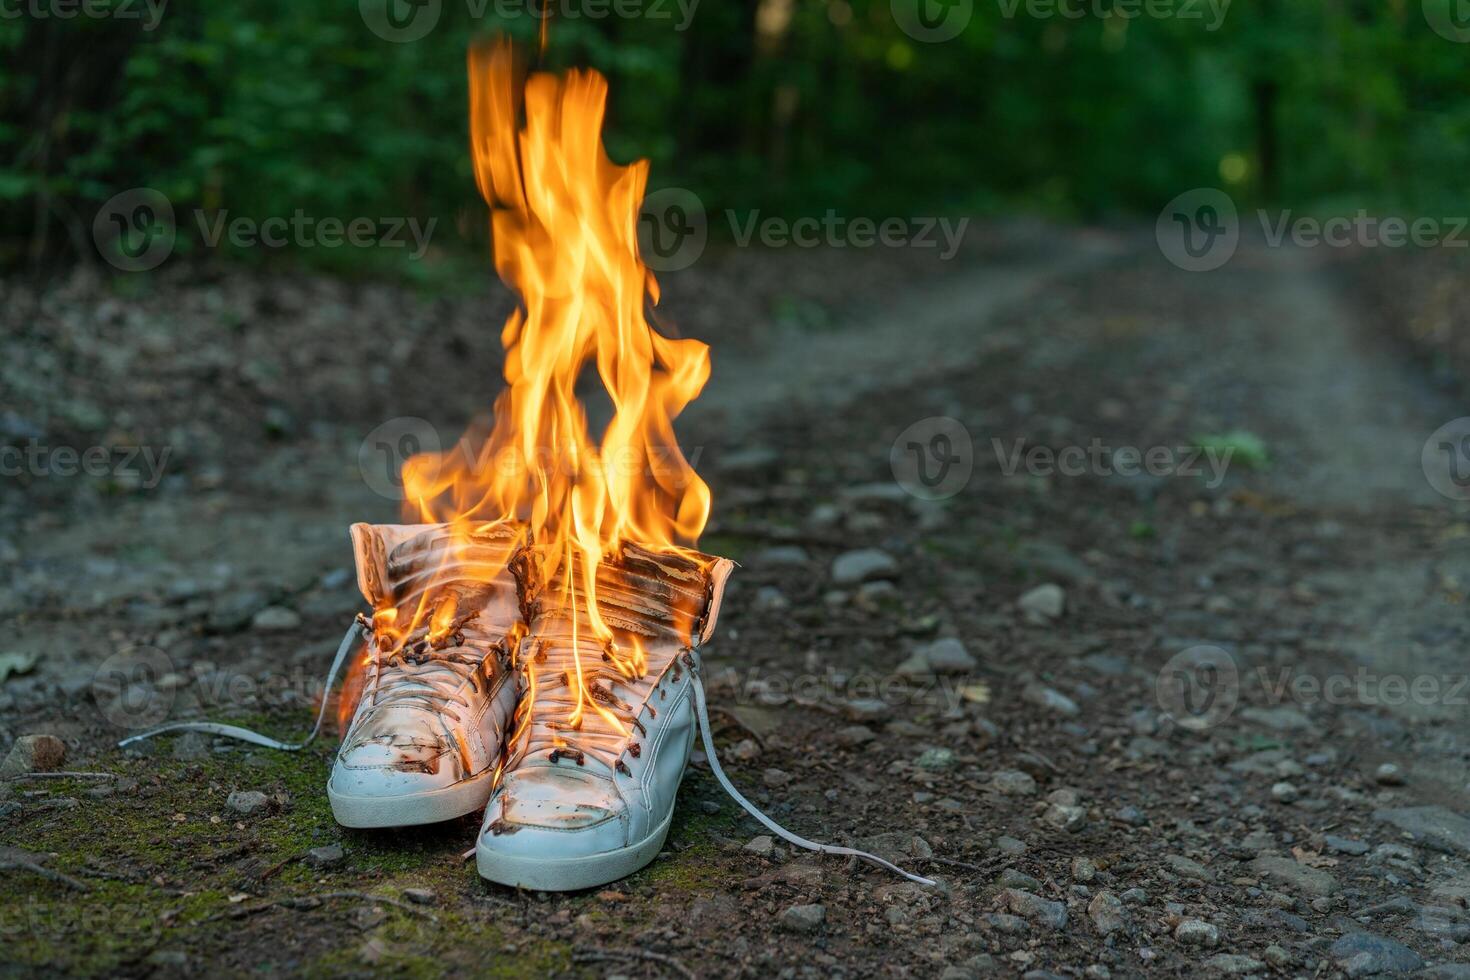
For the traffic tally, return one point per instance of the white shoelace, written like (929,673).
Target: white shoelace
(255,738)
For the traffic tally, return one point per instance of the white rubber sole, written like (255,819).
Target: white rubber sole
(413,809)
(552,874)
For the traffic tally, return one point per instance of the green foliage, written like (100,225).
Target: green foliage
(269,107)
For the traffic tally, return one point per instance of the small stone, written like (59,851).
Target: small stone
(776,778)
(1277,956)
(1134,896)
(1096,971)
(1197,932)
(1286,871)
(1052,915)
(419,896)
(326,857)
(1234,964)
(1106,912)
(1345,845)
(273,618)
(803,918)
(1013,878)
(1131,815)
(1083,869)
(1361,954)
(1011,925)
(863,565)
(1010,846)
(1435,826)
(867,709)
(191,747)
(1388,774)
(1043,603)
(1013,782)
(1051,700)
(855,735)
(1069,818)
(784,555)
(771,599)
(1185,868)
(247,802)
(935,759)
(1285,792)
(34,753)
(982,964)
(763,846)
(916,666)
(947,656)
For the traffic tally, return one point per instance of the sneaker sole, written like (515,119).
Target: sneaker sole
(571,874)
(412,809)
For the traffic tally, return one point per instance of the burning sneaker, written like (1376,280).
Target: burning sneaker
(427,733)
(604,729)
(425,741)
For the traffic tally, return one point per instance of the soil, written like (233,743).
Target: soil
(1300,806)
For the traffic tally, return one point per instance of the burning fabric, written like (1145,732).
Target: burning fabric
(534,643)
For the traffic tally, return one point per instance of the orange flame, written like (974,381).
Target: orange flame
(564,225)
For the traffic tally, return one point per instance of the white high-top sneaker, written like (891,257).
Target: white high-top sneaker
(426,738)
(588,793)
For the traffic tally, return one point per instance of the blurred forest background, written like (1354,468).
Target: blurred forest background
(790,106)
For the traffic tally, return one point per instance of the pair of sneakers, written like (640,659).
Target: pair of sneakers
(479,691)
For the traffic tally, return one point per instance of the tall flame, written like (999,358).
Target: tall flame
(564,226)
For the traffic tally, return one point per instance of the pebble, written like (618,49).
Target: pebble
(1131,815)
(1083,869)
(1389,774)
(1361,954)
(783,555)
(1186,868)
(247,802)
(1284,792)
(1012,878)
(803,918)
(1436,826)
(1345,845)
(855,735)
(34,753)
(1043,603)
(1013,782)
(863,565)
(419,896)
(1011,925)
(935,759)
(1050,699)
(763,846)
(1052,915)
(1010,846)
(1286,871)
(1107,913)
(771,599)
(326,857)
(1197,932)
(1234,964)
(1069,818)
(947,656)
(1134,896)
(273,618)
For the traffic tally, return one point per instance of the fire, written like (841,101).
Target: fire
(564,229)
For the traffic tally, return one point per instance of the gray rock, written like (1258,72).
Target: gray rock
(947,656)
(1052,915)
(326,857)
(1288,872)
(1389,774)
(771,599)
(273,618)
(1362,954)
(1083,869)
(1186,868)
(916,665)
(1234,964)
(863,565)
(1013,782)
(1069,818)
(1043,603)
(1011,925)
(982,964)
(1010,846)
(1345,845)
(1433,826)
(1197,932)
(247,802)
(1282,719)
(935,759)
(1446,971)
(855,735)
(1107,913)
(34,753)
(803,918)
(1284,792)
(783,555)
(1012,878)
(897,846)
(235,609)
(1052,700)
(1131,815)
(762,846)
